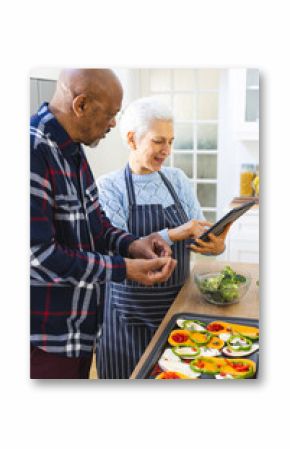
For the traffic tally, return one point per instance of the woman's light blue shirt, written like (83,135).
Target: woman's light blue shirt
(149,189)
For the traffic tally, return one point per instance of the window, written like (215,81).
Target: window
(193,95)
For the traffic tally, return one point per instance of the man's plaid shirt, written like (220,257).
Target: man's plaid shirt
(71,238)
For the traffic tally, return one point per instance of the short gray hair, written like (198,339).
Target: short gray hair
(139,115)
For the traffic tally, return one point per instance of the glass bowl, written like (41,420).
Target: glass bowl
(225,295)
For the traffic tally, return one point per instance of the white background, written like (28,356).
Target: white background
(140,413)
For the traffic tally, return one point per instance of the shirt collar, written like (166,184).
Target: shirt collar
(57,133)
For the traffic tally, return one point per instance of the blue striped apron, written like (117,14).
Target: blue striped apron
(133,312)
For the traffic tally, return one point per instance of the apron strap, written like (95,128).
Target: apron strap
(174,196)
(129,185)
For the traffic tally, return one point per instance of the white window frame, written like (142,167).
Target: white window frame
(146,91)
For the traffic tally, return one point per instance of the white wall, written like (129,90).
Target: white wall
(46,73)
(226,155)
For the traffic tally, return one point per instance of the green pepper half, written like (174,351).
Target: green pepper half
(190,355)
(231,345)
(252,338)
(189,325)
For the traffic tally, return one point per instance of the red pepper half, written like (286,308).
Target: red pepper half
(170,375)
(179,338)
(215,327)
(240,367)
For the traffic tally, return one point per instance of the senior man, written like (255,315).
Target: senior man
(75,249)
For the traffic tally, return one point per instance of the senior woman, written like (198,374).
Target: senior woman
(142,198)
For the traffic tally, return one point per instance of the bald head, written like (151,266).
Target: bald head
(86,102)
(74,82)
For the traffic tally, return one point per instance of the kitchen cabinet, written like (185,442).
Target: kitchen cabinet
(245,86)
(40,90)
(34,97)
(242,244)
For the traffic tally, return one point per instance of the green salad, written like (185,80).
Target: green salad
(223,287)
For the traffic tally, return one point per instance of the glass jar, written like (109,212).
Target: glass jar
(256,182)
(247,176)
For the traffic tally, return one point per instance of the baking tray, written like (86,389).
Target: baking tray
(162,344)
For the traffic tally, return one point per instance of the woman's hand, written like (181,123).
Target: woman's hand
(149,247)
(191,229)
(215,246)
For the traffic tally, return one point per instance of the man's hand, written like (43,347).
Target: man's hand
(149,272)
(149,247)
(191,229)
(215,246)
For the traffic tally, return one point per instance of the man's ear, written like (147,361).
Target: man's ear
(131,139)
(79,105)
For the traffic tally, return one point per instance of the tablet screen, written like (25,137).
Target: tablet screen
(230,217)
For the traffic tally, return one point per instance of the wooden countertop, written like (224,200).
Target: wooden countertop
(236,202)
(190,300)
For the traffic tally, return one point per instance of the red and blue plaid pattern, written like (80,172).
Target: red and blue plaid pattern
(71,239)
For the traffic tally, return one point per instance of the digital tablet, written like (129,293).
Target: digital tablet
(230,217)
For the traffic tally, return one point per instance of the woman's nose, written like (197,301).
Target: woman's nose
(166,148)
